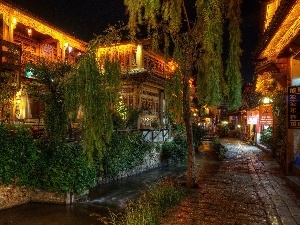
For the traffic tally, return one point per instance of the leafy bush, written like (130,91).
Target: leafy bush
(43,164)
(175,149)
(124,152)
(220,149)
(67,168)
(19,155)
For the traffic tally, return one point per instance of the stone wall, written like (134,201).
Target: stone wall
(151,161)
(11,196)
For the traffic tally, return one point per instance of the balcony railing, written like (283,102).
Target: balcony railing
(10,55)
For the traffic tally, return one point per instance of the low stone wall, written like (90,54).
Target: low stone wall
(151,161)
(11,196)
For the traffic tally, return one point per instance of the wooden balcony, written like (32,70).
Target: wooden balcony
(10,56)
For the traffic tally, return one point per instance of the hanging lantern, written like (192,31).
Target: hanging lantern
(29,32)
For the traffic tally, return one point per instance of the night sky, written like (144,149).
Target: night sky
(86,18)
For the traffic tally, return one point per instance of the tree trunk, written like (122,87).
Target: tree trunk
(190,179)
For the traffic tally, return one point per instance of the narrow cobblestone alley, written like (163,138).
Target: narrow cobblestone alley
(247,188)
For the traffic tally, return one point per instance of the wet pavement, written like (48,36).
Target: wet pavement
(246,188)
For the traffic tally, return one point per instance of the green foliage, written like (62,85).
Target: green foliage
(43,165)
(175,149)
(266,137)
(124,152)
(198,48)
(125,117)
(66,168)
(233,72)
(150,206)
(19,156)
(211,68)
(219,148)
(93,86)
(8,88)
(48,87)
(174,97)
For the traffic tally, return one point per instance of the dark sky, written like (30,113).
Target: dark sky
(84,18)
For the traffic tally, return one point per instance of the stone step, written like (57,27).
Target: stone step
(294,183)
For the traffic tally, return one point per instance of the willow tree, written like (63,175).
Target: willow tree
(198,49)
(92,88)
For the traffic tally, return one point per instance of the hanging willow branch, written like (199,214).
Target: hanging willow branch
(211,68)
(93,88)
(198,48)
(233,73)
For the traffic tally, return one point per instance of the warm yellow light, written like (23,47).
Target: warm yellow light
(224,122)
(70,48)
(172,65)
(29,31)
(266,100)
(14,20)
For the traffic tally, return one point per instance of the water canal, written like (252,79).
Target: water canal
(112,196)
(102,199)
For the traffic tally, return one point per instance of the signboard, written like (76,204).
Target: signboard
(252,117)
(294,107)
(266,115)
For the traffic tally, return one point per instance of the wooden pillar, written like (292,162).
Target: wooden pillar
(161,106)
(139,56)
(5,31)
(12,26)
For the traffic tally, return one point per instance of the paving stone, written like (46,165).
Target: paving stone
(248,187)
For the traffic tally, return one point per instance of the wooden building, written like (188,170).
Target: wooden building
(25,39)
(278,61)
(144,75)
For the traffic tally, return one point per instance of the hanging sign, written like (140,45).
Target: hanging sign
(294,107)
(252,117)
(266,115)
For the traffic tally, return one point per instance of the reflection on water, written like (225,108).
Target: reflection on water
(102,199)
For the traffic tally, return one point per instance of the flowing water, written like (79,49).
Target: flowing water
(103,199)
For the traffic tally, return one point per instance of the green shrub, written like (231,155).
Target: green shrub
(6,170)
(42,164)
(19,156)
(175,149)
(266,137)
(149,207)
(220,149)
(124,152)
(66,168)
